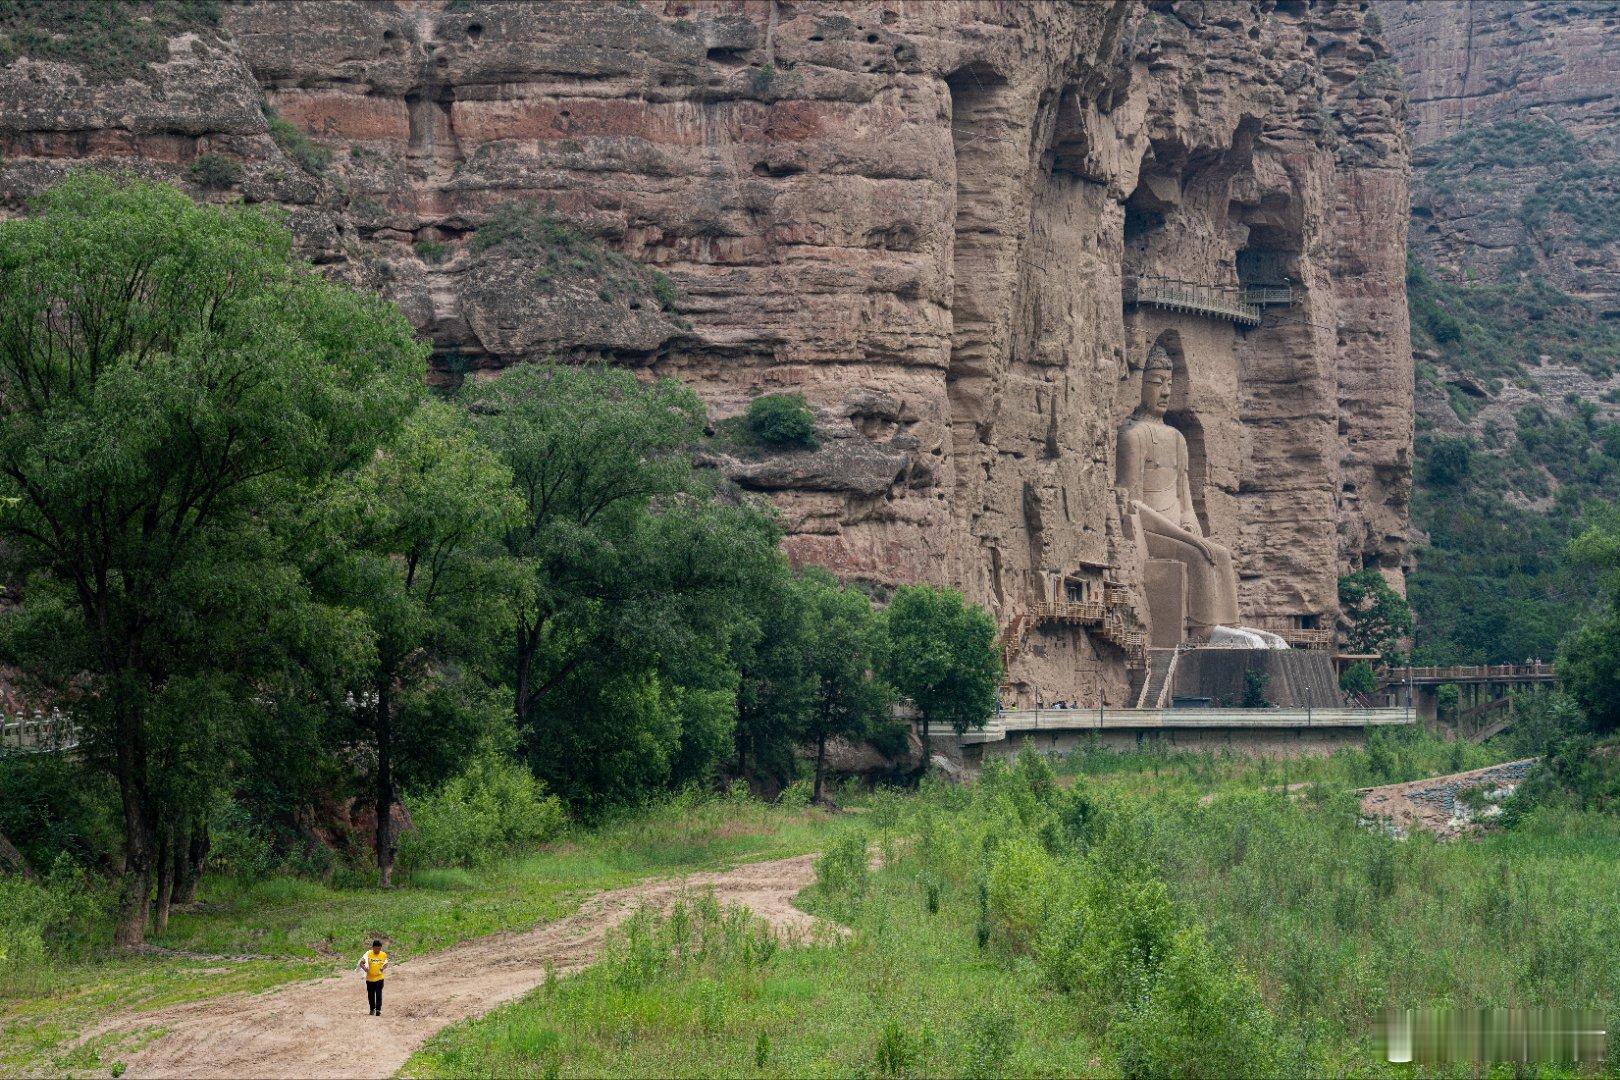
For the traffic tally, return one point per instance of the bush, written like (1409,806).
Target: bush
(494,808)
(782,420)
(1200,1016)
(1358,678)
(215,171)
(1020,888)
(311,158)
(843,868)
(64,915)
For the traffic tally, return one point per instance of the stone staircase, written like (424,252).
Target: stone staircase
(1161,670)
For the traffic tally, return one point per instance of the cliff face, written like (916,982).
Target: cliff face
(1515,291)
(1515,122)
(920,216)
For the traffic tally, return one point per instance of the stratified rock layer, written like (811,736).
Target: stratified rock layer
(920,216)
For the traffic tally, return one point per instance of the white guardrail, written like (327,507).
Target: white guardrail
(41,733)
(1139,719)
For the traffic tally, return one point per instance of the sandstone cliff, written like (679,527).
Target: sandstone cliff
(922,216)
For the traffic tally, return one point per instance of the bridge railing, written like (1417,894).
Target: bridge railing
(1469,673)
(39,733)
(1114,719)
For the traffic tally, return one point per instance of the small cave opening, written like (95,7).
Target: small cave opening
(727,55)
(475,30)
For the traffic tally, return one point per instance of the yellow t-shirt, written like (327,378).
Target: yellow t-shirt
(374,965)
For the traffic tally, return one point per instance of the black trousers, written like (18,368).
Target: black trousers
(374,995)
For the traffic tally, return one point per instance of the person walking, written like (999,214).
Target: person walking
(372,965)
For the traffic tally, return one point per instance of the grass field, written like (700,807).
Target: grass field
(1266,930)
(251,936)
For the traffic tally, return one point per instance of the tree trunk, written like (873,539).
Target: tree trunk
(188,861)
(165,881)
(524,657)
(135,885)
(821,764)
(385,785)
(12,860)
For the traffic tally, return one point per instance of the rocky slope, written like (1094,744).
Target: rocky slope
(1515,122)
(921,216)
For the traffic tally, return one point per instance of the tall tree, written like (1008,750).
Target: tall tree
(172,382)
(1379,616)
(637,579)
(589,448)
(941,656)
(413,543)
(842,650)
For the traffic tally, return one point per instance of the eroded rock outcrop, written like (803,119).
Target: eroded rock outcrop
(922,217)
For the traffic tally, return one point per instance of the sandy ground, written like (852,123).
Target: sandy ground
(1433,804)
(322,1029)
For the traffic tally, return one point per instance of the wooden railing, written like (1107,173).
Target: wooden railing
(1468,673)
(1222,302)
(1306,639)
(1076,612)
(1261,295)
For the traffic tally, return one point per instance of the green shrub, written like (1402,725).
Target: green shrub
(431,251)
(64,915)
(842,870)
(297,145)
(1358,678)
(1020,887)
(215,171)
(1199,1016)
(781,420)
(494,808)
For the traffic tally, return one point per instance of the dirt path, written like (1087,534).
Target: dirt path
(321,1028)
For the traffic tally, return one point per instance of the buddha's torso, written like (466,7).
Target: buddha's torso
(1162,464)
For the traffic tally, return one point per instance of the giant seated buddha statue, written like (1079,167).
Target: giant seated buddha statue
(1152,469)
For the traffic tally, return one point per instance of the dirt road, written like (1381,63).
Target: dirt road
(321,1028)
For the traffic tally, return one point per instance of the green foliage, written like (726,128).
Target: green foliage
(211,170)
(295,144)
(782,420)
(108,42)
(1379,616)
(1446,461)
(841,648)
(51,805)
(62,916)
(558,250)
(1358,678)
(634,581)
(1198,1017)
(493,809)
(156,443)
(1254,690)
(431,251)
(842,870)
(942,656)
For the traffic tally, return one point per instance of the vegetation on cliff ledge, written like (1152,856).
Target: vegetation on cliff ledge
(107,41)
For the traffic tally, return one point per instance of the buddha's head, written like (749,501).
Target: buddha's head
(1158,375)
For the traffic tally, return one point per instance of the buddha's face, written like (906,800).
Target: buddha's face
(1156,391)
